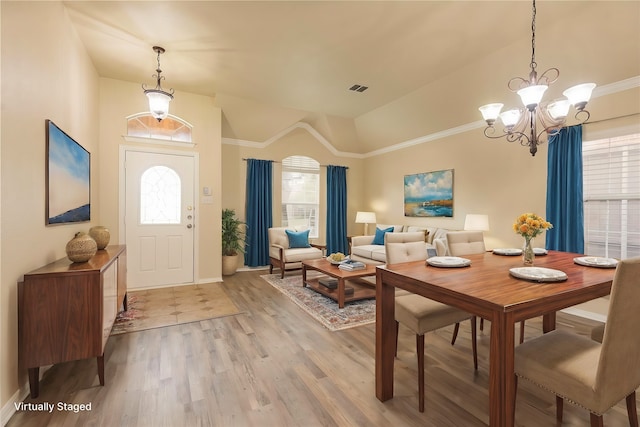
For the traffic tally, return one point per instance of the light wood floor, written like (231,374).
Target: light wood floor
(273,365)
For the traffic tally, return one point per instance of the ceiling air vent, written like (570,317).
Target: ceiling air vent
(358,88)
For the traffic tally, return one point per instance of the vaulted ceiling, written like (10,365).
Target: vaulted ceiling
(429,63)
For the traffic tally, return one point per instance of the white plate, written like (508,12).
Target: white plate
(508,251)
(448,261)
(540,251)
(538,274)
(593,261)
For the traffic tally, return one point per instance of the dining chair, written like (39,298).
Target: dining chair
(462,243)
(593,376)
(597,333)
(421,314)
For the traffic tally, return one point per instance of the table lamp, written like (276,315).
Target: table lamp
(366,218)
(476,222)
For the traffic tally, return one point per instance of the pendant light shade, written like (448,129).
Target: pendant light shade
(158,103)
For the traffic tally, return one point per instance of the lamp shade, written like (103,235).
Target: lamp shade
(490,112)
(365,217)
(559,109)
(158,103)
(532,95)
(579,94)
(510,117)
(476,222)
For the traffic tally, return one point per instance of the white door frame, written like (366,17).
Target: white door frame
(122,193)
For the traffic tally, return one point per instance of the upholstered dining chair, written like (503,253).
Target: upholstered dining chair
(462,243)
(592,375)
(418,313)
(597,333)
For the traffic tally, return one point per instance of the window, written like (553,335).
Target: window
(611,169)
(300,193)
(160,196)
(144,125)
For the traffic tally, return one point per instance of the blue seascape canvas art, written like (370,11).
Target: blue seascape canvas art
(68,178)
(429,194)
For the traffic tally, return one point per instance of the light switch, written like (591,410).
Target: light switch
(206,191)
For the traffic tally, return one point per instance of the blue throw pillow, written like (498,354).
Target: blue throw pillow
(298,239)
(379,238)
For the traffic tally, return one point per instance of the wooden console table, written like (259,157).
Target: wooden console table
(66,311)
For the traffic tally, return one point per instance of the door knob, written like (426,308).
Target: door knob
(189,226)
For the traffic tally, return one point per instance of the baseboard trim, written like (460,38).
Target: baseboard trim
(9,408)
(585,314)
(245,268)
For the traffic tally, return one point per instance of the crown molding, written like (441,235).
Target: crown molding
(620,86)
(609,89)
(299,125)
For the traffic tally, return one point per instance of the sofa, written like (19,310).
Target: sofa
(365,249)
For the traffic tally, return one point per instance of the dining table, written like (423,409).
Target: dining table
(486,287)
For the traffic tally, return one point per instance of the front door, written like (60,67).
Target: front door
(159,219)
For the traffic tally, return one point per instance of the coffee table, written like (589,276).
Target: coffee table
(361,288)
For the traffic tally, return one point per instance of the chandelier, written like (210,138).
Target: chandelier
(158,98)
(521,125)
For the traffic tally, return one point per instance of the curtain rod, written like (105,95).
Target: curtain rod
(611,118)
(276,161)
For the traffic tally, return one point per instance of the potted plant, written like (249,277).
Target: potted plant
(233,238)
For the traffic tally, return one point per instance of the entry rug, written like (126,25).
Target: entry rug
(323,309)
(157,308)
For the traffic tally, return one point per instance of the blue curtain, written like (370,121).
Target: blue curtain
(337,209)
(258,211)
(564,191)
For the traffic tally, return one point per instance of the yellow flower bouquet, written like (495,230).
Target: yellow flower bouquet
(529,225)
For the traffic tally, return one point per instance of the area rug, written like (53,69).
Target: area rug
(323,309)
(157,308)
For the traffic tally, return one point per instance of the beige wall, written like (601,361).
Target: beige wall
(120,99)
(495,178)
(46,74)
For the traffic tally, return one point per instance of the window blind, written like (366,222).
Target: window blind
(611,173)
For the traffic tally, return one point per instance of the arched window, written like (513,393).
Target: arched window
(301,193)
(159,196)
(144,125)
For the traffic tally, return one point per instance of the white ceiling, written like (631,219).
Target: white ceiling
(305,55)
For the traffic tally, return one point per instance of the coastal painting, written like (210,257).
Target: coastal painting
(429,194)
(68,178)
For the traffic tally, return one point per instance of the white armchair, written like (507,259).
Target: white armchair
(285,257)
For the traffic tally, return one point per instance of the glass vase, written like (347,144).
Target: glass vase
(527,252)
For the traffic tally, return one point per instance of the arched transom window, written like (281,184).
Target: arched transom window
(172,128)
